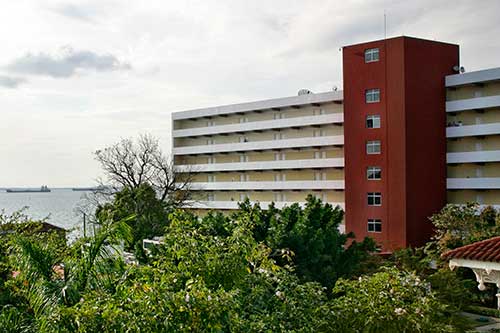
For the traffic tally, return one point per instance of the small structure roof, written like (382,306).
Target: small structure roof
(487,250)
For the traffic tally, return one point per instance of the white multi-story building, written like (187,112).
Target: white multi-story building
(276,150)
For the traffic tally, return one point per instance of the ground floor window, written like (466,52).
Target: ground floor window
(374,225)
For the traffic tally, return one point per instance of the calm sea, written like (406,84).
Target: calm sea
(60,206)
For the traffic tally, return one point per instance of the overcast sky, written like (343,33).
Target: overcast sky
(78,76)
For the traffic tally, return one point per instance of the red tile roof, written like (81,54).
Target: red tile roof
(487,250)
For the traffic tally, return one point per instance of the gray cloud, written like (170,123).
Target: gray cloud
(11,82)
(67,65)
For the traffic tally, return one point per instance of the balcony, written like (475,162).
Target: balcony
(473,104)
(269,186)
(486,75)
(326,119)
(474,156)
(473,183)
(297,101)
(473,130)
(234,204)
(261,145)
(264,165)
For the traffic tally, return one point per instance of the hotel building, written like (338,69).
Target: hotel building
(405,136)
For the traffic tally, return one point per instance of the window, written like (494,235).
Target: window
(479,172)
(374,173)
(374,225)
(371,55)
(373,121)
(373,147)
(243,196)
(279,177)
(244,177)
(211,159)
(279,156)
(211,178)
(372,95)
(321,196)
(243,139)
(243,120)
(243,158)
(210,123)
(211,196)
(319,132)
(279,136)
(210,141)
(318,112)
(319,154)
(279,115)
(279,196)
(479,199)
(374,199)
(320,175)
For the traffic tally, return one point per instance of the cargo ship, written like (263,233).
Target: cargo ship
(43,189)
(89,189)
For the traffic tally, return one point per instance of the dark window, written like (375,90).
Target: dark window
(374,173)
(373,147)
(373,121)
(372,95)
(374,225)
(372,55)
(374,199)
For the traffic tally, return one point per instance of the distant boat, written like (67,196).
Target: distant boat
(43,189)
(89,189)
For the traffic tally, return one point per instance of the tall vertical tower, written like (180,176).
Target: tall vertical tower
(395,139)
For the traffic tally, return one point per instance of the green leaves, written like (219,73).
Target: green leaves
(459,225)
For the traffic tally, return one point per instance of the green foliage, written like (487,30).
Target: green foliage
(307,238)
(253,271)
(390,301)
(144,213)
(481,310)
(459,225)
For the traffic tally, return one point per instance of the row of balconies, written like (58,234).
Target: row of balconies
(264,165)
(477,103)
(452,184)
(321,163)
(322,141)
(325,119)
(269,185)
(308,142)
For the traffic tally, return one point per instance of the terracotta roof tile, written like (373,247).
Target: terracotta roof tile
(487,250)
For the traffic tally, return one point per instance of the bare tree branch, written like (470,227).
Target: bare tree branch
(131,163)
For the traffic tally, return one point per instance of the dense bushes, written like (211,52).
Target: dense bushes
(284,270)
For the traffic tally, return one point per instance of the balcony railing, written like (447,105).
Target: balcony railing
(473,183)
(326,119)
(261,145)
(473,130)
(473,103)
(269,185)
(474,156)
(264,165)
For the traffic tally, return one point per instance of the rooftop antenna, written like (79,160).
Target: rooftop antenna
(385,26)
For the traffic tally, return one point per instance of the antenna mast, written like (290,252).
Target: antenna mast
(385,26)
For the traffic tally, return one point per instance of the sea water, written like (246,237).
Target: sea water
(60,206)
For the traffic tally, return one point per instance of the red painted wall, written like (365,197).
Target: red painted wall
(410,75)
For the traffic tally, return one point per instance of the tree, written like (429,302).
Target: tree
(47,279)
(306,238)
(459,225)
(146,215)
(129,164)
(390,301)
